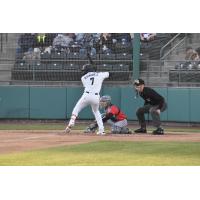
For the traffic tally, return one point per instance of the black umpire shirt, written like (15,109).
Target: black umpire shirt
(152,97)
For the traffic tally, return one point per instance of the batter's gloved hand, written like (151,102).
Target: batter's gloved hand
(91,128)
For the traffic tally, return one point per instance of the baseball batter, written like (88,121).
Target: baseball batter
(92,82)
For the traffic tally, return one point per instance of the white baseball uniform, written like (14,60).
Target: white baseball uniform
(92,82)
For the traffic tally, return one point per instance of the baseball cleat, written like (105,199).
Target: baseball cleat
(141,130)
(101,133)
(68,129)
(158,131)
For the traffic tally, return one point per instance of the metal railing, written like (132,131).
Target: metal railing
(3,40)
(170,73)
(162,57)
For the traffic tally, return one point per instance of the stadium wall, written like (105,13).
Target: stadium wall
(57,103)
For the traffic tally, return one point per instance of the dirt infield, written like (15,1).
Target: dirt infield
(24,140)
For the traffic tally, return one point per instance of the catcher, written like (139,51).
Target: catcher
(113,115)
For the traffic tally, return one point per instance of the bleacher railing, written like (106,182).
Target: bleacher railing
(170,73)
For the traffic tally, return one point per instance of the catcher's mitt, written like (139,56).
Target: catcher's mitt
(91,128)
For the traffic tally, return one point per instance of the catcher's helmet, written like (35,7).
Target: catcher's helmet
(87,68)
(105,101)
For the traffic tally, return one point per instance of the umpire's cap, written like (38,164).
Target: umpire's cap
(138,82)
(88,68)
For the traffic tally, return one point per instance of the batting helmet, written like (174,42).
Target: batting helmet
(105,101)
(87,68)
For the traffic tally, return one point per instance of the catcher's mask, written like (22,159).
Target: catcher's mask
(87,68)
(105,101)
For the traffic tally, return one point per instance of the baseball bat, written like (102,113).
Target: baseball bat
(90,59)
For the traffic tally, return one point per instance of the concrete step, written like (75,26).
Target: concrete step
(5,76)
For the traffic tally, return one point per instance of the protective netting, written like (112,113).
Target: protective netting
(59,57)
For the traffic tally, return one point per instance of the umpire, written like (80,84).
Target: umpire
(154,104)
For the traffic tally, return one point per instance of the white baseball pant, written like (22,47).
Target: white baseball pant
(86,99)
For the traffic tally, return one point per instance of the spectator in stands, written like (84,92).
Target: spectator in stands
(87,44)
(62,41)
(25,42)
(32,56)
(121,37)
(96,37)
(146,37)
(195,56)
(106,43)
(79,38)
(43,40)
(198,51)
(48,40)
(191,58)
(71,35)
(191,54)
(40,40)
(188,52)
(132,35)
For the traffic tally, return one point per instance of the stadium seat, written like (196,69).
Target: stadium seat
(120,76)
(71,66)
(124,56)
(121,67)
(21,75)
(45,57)
(21,66)
(121,47)
(58,56)
(83,56)
(38,66)
(73,56)
(55,66)
(74,48)
(104,67)
(107,56)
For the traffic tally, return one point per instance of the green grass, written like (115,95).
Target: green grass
(61,126)
(107,153)
(38,126)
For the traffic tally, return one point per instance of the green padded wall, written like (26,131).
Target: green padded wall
(47,103)
(130,104)
(194,104)
(14,102)
(178,104)
(57,103)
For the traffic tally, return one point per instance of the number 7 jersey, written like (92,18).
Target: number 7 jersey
(92,81)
